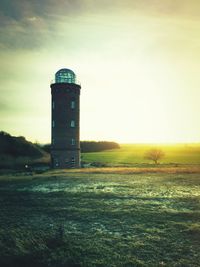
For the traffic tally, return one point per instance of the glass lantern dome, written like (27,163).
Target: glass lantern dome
(65,76)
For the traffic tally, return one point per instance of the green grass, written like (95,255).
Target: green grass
(86,218)
(129,155)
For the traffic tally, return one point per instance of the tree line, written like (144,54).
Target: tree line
(90,146)
(20,147)
(93,146)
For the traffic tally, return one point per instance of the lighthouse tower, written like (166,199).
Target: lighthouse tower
(65,107)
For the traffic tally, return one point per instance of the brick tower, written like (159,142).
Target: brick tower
(65,129)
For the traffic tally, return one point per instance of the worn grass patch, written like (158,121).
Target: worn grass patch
(85,218)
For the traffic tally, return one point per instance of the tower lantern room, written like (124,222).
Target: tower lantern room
(65,76)
(65,125)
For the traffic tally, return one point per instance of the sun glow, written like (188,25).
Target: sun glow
(138,72)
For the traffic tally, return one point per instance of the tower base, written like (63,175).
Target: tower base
(65,159)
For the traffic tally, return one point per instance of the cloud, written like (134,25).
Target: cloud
(18,10)
(28,24)
(24,24)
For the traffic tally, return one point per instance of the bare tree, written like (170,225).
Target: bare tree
(154,154)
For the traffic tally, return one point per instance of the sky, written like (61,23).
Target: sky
(138,63)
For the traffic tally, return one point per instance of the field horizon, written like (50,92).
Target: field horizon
(130,154)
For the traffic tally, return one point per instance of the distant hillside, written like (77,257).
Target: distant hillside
(16,152)
(18,147)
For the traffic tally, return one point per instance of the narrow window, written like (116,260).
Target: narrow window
(53,105)
(72,104)
(56,163)
(72,124)
(73,160)
(72,141)
(53,124)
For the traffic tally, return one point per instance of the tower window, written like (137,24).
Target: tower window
(72,124)
(73,160)
(72,141)
(56,162)
(53,123)
(72,104)
(53,105)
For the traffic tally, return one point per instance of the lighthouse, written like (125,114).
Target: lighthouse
(65,120)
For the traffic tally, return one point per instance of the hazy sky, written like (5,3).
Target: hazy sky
(138,62)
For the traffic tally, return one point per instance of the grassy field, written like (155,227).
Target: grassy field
(100,217)
(130,155)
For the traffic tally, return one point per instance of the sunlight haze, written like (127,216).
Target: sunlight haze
(137,61)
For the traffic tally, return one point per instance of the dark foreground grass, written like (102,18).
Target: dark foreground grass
(93,219)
